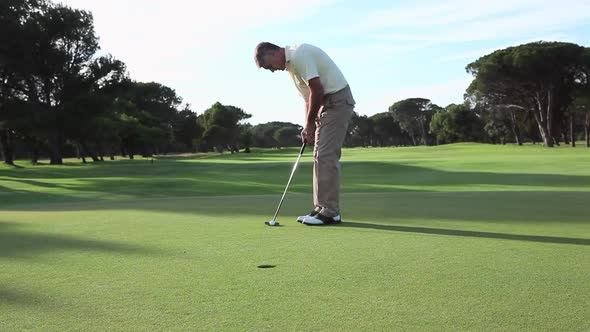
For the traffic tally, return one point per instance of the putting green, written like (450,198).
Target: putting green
(464,237)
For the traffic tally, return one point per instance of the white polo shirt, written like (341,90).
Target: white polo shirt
(304,62)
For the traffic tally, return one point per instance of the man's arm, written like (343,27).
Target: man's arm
(316,96)
(312,106)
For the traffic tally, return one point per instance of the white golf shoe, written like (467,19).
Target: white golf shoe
(320,219)
(310,214)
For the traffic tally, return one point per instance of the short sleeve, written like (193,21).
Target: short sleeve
(306,67)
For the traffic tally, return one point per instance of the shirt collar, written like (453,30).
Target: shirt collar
(288,56)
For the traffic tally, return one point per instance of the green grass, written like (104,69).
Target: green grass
(460,237)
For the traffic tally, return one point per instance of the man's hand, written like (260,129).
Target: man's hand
(308,133)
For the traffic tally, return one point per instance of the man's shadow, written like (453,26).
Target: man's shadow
(456,232)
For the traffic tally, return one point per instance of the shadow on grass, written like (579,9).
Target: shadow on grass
(65,164)
(456,232)
(405,191)
(529,207)
(35,183)
(17,298)
(366,175)
(13,166)
(16,243)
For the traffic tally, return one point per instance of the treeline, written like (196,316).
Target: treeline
(60,97)
(537,92)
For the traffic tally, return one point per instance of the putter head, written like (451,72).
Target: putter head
(272,223)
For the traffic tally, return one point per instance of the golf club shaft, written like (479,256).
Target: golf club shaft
(289,182)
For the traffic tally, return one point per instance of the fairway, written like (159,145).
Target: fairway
(464,237)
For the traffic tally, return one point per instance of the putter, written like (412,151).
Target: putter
(274,222)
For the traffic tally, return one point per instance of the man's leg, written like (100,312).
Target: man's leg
(330,133)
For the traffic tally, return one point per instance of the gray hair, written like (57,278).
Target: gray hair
(263,49)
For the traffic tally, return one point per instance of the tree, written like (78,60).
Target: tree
(187,128)
(16,47)
(386,131)
(214,138)
(456,123)
(535,77)
(67,45)
(158,106)
(581,107)
(288,136)
(88,116)
(55,90)
(246,137)
(54,46)
(265,135)
(153,107)
(413,116)
(221,124)
(498,125)
(360,131)
(581,103)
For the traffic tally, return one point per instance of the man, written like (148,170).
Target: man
(328,108)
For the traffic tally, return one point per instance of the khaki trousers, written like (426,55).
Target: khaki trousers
(332,124)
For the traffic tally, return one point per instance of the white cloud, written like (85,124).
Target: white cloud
(429,14)
(476,54)
(460,21)
(517,26)
(471,55)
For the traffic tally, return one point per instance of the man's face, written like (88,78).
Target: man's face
(272,61)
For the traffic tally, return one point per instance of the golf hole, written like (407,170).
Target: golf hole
(266,266)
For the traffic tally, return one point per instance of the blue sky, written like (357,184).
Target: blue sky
(388,50)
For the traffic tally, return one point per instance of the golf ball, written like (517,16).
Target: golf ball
(272,222)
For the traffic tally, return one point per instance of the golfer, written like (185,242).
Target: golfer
(328,108)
